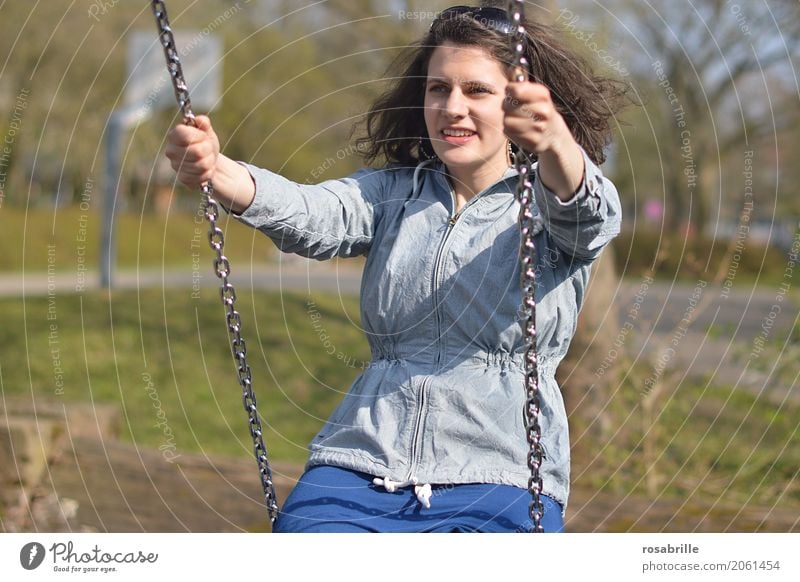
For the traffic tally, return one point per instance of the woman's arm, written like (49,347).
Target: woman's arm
(195,157)
(580,207)
(333,218)
(583,225)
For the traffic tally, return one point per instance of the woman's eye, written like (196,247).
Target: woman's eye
(437,88)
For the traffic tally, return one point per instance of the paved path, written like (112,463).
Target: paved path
(299,275)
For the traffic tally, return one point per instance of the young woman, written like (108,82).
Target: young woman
(430,437)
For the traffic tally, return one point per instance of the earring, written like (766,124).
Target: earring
(424,154)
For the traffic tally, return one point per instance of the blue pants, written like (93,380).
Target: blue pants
(331,499)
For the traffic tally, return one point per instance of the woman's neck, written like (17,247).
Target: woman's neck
(468,183)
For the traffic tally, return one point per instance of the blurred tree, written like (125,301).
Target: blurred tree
(703,66)
(721,95)
(70,60)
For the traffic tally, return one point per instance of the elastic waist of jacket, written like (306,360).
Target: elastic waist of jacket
(502,359)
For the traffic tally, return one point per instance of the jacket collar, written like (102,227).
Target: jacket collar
(440,174)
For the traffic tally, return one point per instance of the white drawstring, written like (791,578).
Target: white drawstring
(423,492)
(415,181)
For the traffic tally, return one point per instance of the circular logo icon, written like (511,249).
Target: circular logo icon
(32,555)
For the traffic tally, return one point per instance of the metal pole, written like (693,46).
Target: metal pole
(112,178)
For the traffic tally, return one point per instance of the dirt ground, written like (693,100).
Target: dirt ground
(107,486)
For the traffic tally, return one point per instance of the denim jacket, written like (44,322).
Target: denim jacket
(442,399)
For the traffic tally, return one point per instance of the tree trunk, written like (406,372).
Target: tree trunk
(586,392)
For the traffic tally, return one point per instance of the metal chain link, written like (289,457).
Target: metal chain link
(524,193)
(222,268)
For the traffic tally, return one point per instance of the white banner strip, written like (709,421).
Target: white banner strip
(345,557)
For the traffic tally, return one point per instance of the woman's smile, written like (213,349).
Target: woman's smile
(457,136)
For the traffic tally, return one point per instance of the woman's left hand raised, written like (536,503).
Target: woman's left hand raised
(531,119)
(533,123)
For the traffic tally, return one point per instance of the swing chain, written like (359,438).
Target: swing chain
(222,269)
(524,193)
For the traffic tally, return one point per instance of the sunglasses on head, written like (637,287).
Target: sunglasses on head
(494,18)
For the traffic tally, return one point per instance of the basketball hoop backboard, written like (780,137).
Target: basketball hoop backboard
(148,87)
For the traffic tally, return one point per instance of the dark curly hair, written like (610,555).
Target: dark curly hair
(395,128)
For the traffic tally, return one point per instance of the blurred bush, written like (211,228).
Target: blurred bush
(675,256)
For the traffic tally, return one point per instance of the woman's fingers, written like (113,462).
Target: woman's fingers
(190,154)
(193,151)
(531,119)
(522,98)
(203,123)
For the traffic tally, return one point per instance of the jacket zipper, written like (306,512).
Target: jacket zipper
(437,267)
(451,222)
(416,449)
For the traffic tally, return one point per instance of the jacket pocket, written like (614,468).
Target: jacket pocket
(343,411)
(371,422)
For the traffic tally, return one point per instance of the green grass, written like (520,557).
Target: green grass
(709,442)
(109,347)
(146,240)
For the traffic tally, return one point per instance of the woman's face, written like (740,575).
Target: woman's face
(464,94)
